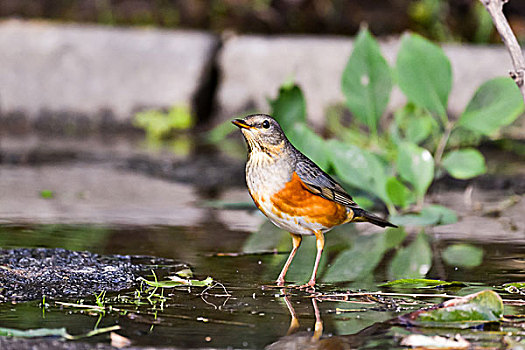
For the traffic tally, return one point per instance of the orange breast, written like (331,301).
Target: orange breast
(295,200)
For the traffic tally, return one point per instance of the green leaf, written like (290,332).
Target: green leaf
(421,283)
(220,132)
(32,333)
(366,81)
(416,123)
(159,124)
(413,261)
(289,107)
(465,163)
(180,117)
(46,194)
(398,193)
(359,168)
(424,73)
(361,260)
(358,261)
(267,238)
(463,255)
(415,165)
(431,215)
(393,237)
(176,281)
(481,307)
(442,215)
(308,142)
(519,285)
(514,287)
(496,103)
(419,128)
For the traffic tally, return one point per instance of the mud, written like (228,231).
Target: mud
(29,274)
(48,344)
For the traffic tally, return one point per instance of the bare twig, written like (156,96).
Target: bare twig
(495,9)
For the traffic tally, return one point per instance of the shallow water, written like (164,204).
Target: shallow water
(256,315)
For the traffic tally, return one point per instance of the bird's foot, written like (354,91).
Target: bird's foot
(279,283)
(309,285)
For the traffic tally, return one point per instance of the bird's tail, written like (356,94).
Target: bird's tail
(361,215)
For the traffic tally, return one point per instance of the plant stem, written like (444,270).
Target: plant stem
(495,9)
(443,143)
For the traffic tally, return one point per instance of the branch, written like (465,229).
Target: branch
(495,9)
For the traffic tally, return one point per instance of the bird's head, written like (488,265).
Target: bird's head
(261,132)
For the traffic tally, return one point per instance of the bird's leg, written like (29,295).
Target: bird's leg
(296,241)
(318,328)
(319,236)
(294,323)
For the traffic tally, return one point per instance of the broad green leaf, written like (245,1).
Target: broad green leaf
(415,165)
(412,261)
(463,255)
(416,123)
(367,252)
(289,107)
(464,163)
(398,193)
(430,215)
(308,142)
(393,237)
(442,215)
(366,81)
(359,168)
(358,261)
(484,306)
(421,283)
(267,238)
(496,103)
(364,202)
(419,129)
(424,73)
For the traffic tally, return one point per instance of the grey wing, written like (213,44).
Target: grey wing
(320,183)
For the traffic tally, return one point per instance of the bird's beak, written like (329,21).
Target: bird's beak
(241,124)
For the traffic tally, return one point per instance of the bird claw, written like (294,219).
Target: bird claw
(307,286)
(273,286)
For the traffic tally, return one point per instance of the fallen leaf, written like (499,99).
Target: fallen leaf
(471,310)
(119,341)
(435,342)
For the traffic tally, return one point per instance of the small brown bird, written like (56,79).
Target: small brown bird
(292,191)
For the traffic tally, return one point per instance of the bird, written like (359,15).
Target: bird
(292,191)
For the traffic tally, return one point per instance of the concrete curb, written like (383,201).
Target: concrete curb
(253,67)
(52,74)
(97,71)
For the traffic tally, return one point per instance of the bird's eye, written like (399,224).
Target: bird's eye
(266,124)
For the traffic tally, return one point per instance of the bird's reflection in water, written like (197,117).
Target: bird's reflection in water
(296,340)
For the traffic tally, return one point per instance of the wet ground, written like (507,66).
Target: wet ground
(241,308)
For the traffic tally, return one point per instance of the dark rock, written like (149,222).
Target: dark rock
(31,273)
